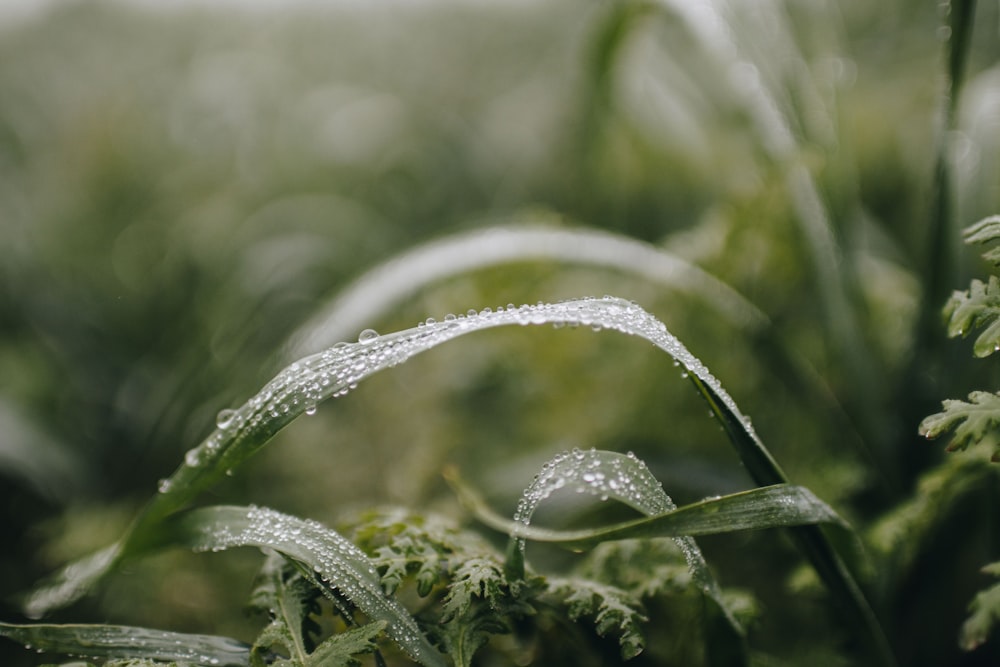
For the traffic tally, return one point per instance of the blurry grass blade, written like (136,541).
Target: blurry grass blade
(380,289)
(123,642)
(71,582)
(53,469)
(335,560)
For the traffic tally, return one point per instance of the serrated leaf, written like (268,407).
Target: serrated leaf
(336,560)
(984,613)
(985,231)
(970,423)
(125,642)
(340,649)
(288,599)
(979,306)
(464,638)
(612,610)
(480,601)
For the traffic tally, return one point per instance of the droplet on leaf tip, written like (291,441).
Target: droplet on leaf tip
(224,418)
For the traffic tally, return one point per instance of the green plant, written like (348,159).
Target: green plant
(972,424)
(751,172)
(478,593)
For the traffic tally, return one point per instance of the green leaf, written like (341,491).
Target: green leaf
(479,602)
(340,649)
(778,506)
(611,608)
(985,613)
(983,232)
(333,372)
(979,306)
(289,599)
(339,564)
(124,642)
(970,423)
(464,635)
(610,475)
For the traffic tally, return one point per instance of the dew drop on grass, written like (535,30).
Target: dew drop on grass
(225,418)
(367,336)
(311,409)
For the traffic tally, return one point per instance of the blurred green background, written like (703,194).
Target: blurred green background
(182,189)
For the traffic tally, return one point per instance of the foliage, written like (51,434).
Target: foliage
(973,424)
(198,206)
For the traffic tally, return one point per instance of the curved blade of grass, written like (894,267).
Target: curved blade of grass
(387,285)
(777,506)
(331,556)
(124,642)
(384,287)
(299,387)
(624,478)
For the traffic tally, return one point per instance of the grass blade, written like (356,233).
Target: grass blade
(382,288)
(123,642)
(626,479)
(333,372)
(777,506)
(331,556)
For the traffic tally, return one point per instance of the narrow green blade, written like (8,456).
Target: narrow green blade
(123,642)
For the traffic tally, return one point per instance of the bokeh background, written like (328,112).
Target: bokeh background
(183,189)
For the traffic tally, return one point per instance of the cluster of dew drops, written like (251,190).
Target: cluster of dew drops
(336,561)
(605,474)
(300,387)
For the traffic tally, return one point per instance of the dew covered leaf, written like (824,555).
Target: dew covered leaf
(608,474)
(333,372)
(335,560)
(129,643)
(970,423)
(778,506)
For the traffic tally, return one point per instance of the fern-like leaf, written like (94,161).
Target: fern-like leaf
(978,306)
(291,600)
(985,613)
(985,231)
(973,422)
(612,609)
(479,603)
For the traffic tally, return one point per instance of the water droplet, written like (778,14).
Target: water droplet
(225,418)
(367,336)
(193,457)
(164,485)
(450,317)
(311,409)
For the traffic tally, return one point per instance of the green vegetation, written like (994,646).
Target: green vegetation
(206,213)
